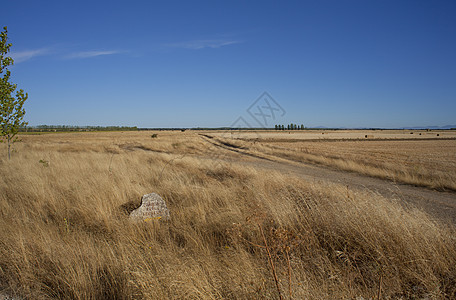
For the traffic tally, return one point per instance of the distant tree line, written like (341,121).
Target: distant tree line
(67,128)
(290,126)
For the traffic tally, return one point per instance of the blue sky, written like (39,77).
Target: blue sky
(204,63)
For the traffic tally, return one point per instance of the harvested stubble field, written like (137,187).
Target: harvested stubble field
(236,232)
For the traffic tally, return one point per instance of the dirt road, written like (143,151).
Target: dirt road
(440,205)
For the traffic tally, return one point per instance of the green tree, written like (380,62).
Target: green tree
(11,108)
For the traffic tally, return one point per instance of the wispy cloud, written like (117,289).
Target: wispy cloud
(201,44)
(88,54)
(22,56)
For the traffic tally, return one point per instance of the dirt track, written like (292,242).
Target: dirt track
(440,205)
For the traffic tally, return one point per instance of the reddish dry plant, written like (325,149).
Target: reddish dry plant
(278,242)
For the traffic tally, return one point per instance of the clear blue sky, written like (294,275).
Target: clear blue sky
(203,63)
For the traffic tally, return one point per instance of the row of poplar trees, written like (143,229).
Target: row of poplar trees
(290,126)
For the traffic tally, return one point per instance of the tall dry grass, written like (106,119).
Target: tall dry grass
(65,234)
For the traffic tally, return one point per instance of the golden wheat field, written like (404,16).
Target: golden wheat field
(235,232)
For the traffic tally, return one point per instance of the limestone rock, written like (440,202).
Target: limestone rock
(152,207)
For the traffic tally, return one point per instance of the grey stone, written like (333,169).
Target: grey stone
(152,207)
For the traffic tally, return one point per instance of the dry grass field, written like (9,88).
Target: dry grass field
(235,232)
(420,158)
(324,135)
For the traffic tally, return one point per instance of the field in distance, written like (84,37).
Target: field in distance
(237,230)
(413,157)
(316,134)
